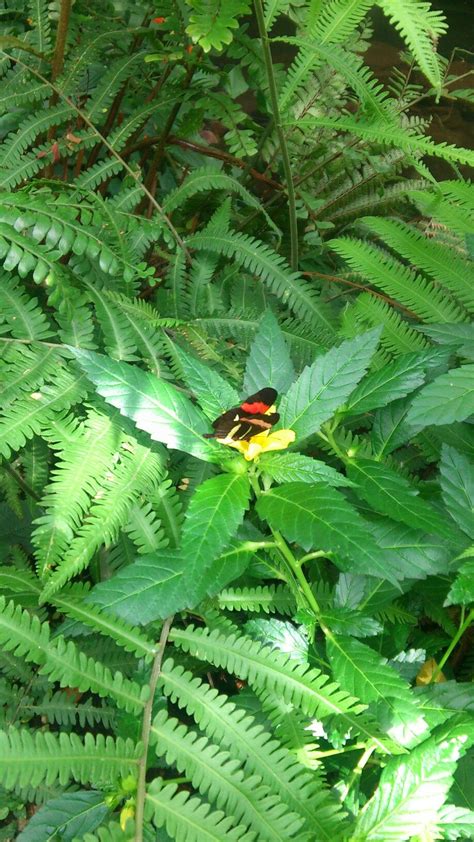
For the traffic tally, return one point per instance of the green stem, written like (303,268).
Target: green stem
(267,56)
(146,729)
(357,771)
(297,572)
(457,637)
(310,556)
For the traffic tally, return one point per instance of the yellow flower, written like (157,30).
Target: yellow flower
(261,443)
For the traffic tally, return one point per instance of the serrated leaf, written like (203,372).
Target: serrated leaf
(413,789)
(457,487)
(71,815)
(390,428)
(462,591)
(388,383)
(411,552)
(448,398)
(324,386)
(150,589)
(392,495)
(154,405)
(213,393)
(319,517)
(269,362)
(213,516)
(295,467)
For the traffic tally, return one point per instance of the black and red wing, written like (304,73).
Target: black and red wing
(244,421)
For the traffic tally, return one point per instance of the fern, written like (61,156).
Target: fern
(218,776)
(30,759)
(272,269)
(269,600)
(421,27)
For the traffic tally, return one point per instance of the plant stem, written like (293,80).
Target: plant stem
(61,35)
(9,469)
(146,728)
(290,190)
(294,565)
(357,771)
(457,637)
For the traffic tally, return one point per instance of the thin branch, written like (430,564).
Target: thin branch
(290,190)
(337,280)
(146,729)
(131,172)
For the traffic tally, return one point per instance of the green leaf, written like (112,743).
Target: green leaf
(214,394)
(448,398)
(462,591)
(154,405)
(392,495)
(364,673)
(413,789)
(151,588)
(389,383)
(457,487)
(323,387)
(269,363)
(212,21)
(71,815)
(390,428)
(295,467)
(319,517)
(412,553)
(216,509)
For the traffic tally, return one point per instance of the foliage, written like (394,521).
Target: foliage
(195,645)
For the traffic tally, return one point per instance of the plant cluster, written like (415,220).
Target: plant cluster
(200,641)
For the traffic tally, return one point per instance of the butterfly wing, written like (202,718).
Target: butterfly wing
(242,422)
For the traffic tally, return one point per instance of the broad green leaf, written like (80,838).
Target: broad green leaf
(457,486)
(413,788)
(460,335)
(324,386)
(154,405)
(364,673)
(392,495)
(462,591)
(319,517)
(456,822)
(150,589)
(69,816)
(448,398)
(412,553)
(462,792)
(215,512)
(389,383)
(390,428)
(229,566)
(295,467)
(269,362)
(213,393)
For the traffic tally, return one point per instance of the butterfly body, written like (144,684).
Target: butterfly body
(250,418)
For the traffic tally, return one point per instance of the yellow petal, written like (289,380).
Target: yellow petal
(261,442)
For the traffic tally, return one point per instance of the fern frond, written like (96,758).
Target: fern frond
(22,313)
(63,710)
(144,528)
(25,368)
(392,135)
(233,728)
(441,262)
(142,320)
(219,777)
(421,27)
(335,21)
(260,260)
(24,635)
(18,141)
(189,819)
(81,466)
(25,417)
(72,602)
(268,598)
(397,336)
(137,473)
(118,340)
(400,282)
(29,759)
(265,669)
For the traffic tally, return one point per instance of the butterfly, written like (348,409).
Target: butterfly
(244,421)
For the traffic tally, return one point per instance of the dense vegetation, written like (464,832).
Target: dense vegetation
(196,645)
